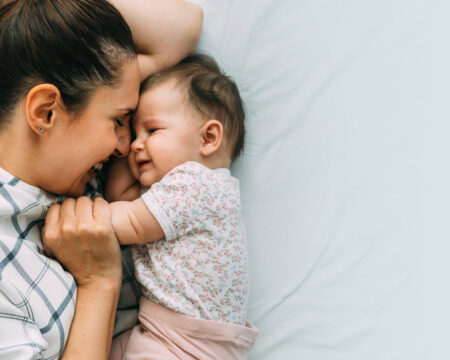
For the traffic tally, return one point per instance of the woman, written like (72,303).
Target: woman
(69,82)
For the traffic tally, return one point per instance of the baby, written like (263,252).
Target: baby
(179,206)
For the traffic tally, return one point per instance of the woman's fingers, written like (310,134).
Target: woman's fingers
(68,219)
(102,217)
(101,211)
(49,232)
(68,208)
(53,214)
(83,208)
(80,235)
(84,219)
(106,237)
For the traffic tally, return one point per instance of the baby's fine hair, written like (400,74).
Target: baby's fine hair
(210,92)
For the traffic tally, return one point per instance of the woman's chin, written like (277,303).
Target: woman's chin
(79,188)
(75,192)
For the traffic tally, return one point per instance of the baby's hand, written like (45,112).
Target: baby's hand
(120,182)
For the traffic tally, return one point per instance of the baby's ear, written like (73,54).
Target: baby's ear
(212,136)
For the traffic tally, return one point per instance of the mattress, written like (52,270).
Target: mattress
(345,174)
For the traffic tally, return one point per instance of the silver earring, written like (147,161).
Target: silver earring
(41,129)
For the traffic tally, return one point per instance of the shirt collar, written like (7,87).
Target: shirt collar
(45,198)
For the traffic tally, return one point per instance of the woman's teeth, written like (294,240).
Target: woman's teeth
(98,166)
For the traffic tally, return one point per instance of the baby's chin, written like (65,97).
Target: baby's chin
(148,181)
(147,184)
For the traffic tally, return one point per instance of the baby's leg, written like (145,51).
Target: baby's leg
(166,335)
(119,345)
(145,344)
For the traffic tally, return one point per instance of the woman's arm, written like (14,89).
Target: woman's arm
(92,326)
(164,31)
(80,235)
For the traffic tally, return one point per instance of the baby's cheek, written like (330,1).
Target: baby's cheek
(133,166)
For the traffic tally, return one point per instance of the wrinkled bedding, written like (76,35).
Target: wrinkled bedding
(346,172)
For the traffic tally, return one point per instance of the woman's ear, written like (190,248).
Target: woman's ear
(212,136)
(41,103)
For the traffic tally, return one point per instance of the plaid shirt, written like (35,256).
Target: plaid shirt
(37,296)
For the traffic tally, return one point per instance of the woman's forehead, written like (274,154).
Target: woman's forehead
(124,95)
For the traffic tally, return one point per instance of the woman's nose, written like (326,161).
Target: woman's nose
(123,142)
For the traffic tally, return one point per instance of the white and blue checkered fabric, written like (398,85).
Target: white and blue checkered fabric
(37,296)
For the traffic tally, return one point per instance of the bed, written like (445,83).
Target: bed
(346,172)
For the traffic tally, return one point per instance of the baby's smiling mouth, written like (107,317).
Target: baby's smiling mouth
(142,164)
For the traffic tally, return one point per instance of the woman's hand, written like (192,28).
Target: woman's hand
(79,234)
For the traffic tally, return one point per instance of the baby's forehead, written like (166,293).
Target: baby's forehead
(167,93)
(163,103)
(170,93)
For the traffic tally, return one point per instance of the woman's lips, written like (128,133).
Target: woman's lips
(93,169)
(91,174)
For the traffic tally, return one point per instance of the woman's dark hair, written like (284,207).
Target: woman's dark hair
(210,92)
(76,45)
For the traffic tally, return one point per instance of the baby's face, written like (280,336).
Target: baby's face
(167,134)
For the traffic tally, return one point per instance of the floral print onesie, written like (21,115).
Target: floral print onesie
(200,267)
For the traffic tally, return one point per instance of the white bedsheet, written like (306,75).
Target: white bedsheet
(346,172)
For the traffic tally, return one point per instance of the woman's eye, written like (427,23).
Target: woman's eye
(118,122)
(151,131)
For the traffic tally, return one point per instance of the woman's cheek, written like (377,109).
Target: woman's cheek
(123,143)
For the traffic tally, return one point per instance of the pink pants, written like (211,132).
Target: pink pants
(164,334)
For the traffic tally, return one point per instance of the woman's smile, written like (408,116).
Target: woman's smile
(91,175)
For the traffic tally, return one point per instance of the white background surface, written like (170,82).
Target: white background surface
(346,172)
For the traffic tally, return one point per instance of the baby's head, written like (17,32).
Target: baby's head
(191,112)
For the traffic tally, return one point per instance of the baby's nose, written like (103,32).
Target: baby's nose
(137,145)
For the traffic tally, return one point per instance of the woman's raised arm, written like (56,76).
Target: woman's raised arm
(164,31)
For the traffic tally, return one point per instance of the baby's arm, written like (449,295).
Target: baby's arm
(120,182)
(134,223)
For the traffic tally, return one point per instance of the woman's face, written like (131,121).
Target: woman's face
(77,145)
